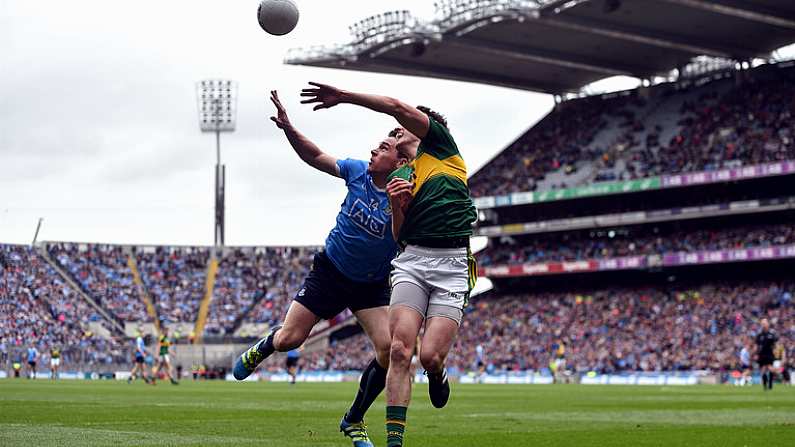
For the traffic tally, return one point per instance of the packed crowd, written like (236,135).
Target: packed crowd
(655,329)
(603,244)
(717,127)
(558,141)
(703,327)
(103,272)
(751,124)
(38,309)
(176,280)
(255,284)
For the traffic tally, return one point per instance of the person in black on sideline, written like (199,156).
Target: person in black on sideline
(766,343)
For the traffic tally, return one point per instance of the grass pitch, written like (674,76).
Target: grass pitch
(77,413)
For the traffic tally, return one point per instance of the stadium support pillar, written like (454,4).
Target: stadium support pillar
(204,308)
(220,187)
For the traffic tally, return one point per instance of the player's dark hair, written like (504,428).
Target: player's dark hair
(438,117)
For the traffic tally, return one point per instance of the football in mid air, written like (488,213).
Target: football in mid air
(277,17)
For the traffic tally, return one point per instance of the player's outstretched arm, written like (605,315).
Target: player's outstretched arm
(326,96)
(303,146)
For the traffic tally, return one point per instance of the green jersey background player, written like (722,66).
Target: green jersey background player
(163,358)
(432,216)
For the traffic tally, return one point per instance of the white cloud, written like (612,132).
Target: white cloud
(99,134)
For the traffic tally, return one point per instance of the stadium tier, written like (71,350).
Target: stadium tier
(104,273)
(659,240)
(255,285)
(39,309)
(738,120)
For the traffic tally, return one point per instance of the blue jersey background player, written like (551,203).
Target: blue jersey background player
(293,357)
(353,270)
(140,357)
(33,357)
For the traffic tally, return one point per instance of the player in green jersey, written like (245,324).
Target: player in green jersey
(163,358)
(432,216)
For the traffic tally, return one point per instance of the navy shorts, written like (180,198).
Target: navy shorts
(327,292)
(139,359)
(292,362)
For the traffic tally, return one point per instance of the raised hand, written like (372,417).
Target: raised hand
(324,95)
(281,118)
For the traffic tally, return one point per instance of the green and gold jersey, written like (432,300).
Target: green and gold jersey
(441,207)
(55,353)
(164,344)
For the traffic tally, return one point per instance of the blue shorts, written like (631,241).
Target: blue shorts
(327,292)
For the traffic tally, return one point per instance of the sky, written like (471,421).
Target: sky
(99,132)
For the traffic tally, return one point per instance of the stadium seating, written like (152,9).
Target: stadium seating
(175,278)
(702,327)
(103,272)
(636,241)
(37,308)
(250,286)
(673,129)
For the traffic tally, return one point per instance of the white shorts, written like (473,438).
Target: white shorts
(442,274)
(165,358)
(55,362)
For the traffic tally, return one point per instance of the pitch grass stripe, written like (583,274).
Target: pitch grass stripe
(735,418)
(51,435)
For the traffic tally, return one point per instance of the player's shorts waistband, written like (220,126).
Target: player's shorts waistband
(429,252)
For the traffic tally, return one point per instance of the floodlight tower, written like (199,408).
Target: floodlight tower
(217,100)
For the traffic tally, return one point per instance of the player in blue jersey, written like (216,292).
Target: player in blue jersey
(352,271)
(140,356)
(293,357)
(33,357)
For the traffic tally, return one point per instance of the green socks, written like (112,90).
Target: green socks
(395,424)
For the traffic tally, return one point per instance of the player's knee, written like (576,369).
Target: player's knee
(431,361)
(399,354)
(382,351)
(287,339)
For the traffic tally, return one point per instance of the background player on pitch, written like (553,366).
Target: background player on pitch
(55,361)
(293,357)
(766,343)
(163,358)
(432,222)
(352,271)
(33,357)
(139,370)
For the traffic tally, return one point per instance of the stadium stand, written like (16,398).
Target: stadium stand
(175,279)
(37,308)
(630,241)
(103,272)
(253,285)
(616,329)
(669,129)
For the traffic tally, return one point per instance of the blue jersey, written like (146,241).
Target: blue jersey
(361,244)
(32,354)
(293,354)
(140,347)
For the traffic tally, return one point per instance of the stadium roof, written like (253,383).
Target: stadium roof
(559,46)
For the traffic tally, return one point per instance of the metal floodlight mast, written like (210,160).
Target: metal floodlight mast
(217,102)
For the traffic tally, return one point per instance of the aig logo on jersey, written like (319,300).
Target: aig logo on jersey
(361,214)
